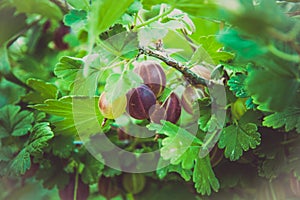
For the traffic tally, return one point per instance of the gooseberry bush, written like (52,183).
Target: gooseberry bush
(149,99)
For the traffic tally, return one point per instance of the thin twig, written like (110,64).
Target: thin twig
(63,5)
(24,30)
(193,78)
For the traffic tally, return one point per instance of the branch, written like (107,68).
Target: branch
(192,77)
(63,5)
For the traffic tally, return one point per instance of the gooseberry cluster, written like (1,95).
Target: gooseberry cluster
(143,102)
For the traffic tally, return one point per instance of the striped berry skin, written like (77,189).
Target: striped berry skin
(201,71)
(189,98)
(108,187)
(153,76)
(139,102)
(169,111)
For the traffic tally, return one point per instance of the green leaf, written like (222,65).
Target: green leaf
(62,145)
(76,19)
(208,121)
(119,84)
(204,177)
(245,48)
(61,107)
(103,15)
(234,68)
(73,118)
(44,8)
(81,75)
(79,4)
(238,138)
(39,138)
(212,47)
(262,15)
(20,164)
(289,118)
(236,84)
(4,62)
(149,35)
(204,119)
(53,174)
(11,26)
(201,56)
(272,91)
(118,43)
(41,91)
(176,145)
(92,169)
(67,68)
(182,147)
(125,20)
(135,7)
(249,104)
(13,122)
(186,174)
(196,8)
(10,92)
(41,134)
(7,153)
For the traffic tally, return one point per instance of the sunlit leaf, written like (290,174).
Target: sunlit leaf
(103,15)
(119,84)
(43,7)
(41,91)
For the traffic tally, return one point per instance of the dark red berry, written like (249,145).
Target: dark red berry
(153,76)
(169,111)
(139,101)
(59,34)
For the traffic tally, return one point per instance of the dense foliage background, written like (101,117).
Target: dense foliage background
(54,53)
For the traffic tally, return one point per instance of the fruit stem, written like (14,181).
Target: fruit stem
(193,78)
(76,184)
(154,19)
(274,197)
(284,56)
(104,122)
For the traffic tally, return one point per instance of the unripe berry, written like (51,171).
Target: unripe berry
(238,108)
(107,187)
(112,110)
(133,183)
